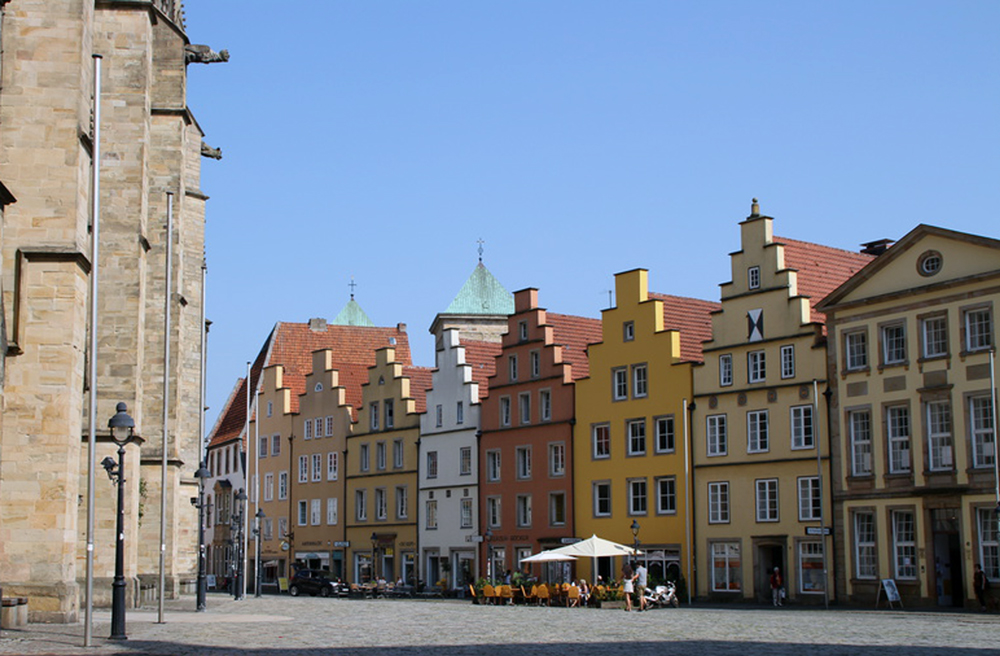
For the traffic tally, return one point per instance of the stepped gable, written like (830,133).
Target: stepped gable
(482,357)
(693,318)
(421,380)
(821,269)
(574,334)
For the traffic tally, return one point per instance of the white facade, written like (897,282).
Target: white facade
(448,476)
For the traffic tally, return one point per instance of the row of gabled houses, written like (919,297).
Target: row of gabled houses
(830,416)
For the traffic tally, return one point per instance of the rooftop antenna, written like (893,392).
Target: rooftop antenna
(352,285)
(480,242)
(611,302)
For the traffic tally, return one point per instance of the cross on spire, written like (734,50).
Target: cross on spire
(480,242)
(352,285)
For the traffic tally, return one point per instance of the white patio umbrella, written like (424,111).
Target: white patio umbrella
(596,547)
(548,557)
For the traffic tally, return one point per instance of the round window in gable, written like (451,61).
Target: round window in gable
(929,263)
(318,388)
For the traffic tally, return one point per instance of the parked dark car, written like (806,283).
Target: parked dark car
(313,582)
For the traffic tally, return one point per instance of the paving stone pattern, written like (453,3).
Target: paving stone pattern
(283,626)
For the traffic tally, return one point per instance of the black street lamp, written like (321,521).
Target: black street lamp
(635,536)
(374,556)
(256,537)
(122,427)
(489,554)
(240,586)
(202,590)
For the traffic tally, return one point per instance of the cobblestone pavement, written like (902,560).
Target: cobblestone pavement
(283,626)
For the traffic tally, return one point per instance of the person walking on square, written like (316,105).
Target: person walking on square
(979,586)
(776,586)
(641,578)
(628,579)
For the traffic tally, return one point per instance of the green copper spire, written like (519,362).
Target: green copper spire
(353,315)
(482,294)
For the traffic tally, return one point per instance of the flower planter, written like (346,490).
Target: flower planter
(612,604)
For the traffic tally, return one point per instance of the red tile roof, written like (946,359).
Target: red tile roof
(693,318)
(821,269)
(574,334)
(482,356)
(420,382)
(292,344)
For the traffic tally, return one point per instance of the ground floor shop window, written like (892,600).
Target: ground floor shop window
(811,567)
(989,544)
(727,570)
(662,564)
(362,568)
(904,545)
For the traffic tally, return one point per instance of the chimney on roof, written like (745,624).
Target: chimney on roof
(401,327)
(317,325)
(754,209)
(876,247)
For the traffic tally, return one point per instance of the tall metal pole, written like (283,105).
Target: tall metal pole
(88,631)
(256,498)
(819,475)
(687,501)
(167,294)
(118,586)
(244,503)
(202,587)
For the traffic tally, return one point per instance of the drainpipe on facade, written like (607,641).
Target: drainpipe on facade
(828,396)
(692,549)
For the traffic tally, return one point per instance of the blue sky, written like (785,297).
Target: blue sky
(380,140)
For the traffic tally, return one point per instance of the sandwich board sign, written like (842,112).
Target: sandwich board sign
(891,593)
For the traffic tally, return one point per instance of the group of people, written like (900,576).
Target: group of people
(634,580)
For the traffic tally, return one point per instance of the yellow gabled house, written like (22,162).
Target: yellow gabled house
(629,453)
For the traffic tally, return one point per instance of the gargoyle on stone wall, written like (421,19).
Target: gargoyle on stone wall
(208,151)
(196,54)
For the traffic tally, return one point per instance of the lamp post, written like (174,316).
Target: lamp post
(374,556)
(256,538)
(240,587)
(122,426)
(202,590)
(635,536)
(489,554)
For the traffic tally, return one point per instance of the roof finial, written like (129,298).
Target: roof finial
(352,285)
(480,242)
(754,208)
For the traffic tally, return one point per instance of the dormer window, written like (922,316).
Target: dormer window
(753,277)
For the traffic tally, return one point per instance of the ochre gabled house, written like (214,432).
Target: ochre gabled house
(912,338)
(629,447)
(761,461)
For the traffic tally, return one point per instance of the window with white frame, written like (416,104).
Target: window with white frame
(390,413)
(493,512)
(512,366)
(983,433)
(331,511)
(716,432)
(332,466)
(601,438)
(329,426)
(262,447)
(381,504)
(893,344)
(365,458)
(640,381)
(934,336)
(373,415)
(275,445)
(282,527)
(268,486)
(524,510)
(397,454)
(810,499)
(602,498)
(753,277)
(628,331)
(664,427)
(361,505)
(727,567)
(557,459)
(465,461)
(619,382)
(802,427)
(270,408)
(855,350)
(318,423)
(989,543)
(282,485)
(557,509)
(725,370)
(535,361)
(756,367)
(268,528)
(544,405)
(317,467)
(978,329)
(431,514)
(637,496)
(522,331)
(865,553)
(402,502)
(788,361)
(315,512)
(303,469)
(524,405)
(636,437)
(308,429)
(303,513)
(859,425)
(904,545)
(459,412)
(939,443)
(767,499)
(493,465)
(432,464)
(718,503)
(465,513)
(757,432)
(897,425)
(438,415)
(666,495)
(523,461)
(810,567)
(380,456)
(505,411)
